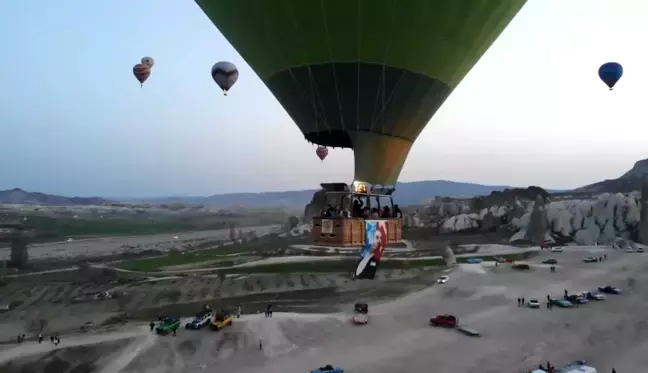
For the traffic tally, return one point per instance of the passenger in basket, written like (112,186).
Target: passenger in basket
(397,212)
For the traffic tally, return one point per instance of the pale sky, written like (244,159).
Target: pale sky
(75,122)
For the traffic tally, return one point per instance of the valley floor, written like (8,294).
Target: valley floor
(610,333)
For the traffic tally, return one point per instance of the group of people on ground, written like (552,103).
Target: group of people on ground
(55,339)
(552,369)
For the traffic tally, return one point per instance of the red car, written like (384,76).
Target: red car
(447,321)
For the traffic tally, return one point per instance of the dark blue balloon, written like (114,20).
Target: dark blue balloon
(610,73)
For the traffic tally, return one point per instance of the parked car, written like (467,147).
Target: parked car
(609,289)
(557,249)
(594,295)
(443,279)
(474,260)
(561,302)
(550,261)
(222,320)
(640,249)
(533,303)
(446,320)
(203,318)
(577,298)
(360,319)
(168,325)
(590,259)
(629,250)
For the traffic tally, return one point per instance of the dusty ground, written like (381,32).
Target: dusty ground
(93,247)
(64,299)
(611,333)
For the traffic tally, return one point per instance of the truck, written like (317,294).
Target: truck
(361,307)
(450,321)
(221,320)
(169,324)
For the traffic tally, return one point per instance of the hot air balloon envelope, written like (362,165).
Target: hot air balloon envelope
(141,72)
(148,61)
(225,74)
(321,152)
(610,73)
(364,74)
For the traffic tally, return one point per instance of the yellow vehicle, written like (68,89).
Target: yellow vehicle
(221,320)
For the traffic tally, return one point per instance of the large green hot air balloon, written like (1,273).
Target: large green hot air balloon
(362,74)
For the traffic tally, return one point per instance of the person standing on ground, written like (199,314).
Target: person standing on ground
(260,344)
(523,301)
(518,302)
(40,338)
(152,325)
(52,338)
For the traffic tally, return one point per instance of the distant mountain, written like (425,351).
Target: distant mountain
(410,193)
(19,196)
(628,182)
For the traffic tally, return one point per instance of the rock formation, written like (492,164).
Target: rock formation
(643,220)
(17,236)
(601,219)
(537,226)
(449,256)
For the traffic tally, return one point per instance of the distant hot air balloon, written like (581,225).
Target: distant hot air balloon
(610,73)
(365,75)
(141,72)
(148,61)
(225,74)
(321,152)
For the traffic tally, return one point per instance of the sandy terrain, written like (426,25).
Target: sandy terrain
(93,247)
(610,333)
(64,298)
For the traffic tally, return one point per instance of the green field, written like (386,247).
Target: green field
(48,228)
(191,257)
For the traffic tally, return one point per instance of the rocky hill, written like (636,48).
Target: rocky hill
(20,197)
(628,182)
(602,219)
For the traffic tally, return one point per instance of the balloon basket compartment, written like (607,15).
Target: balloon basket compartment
(350,231)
